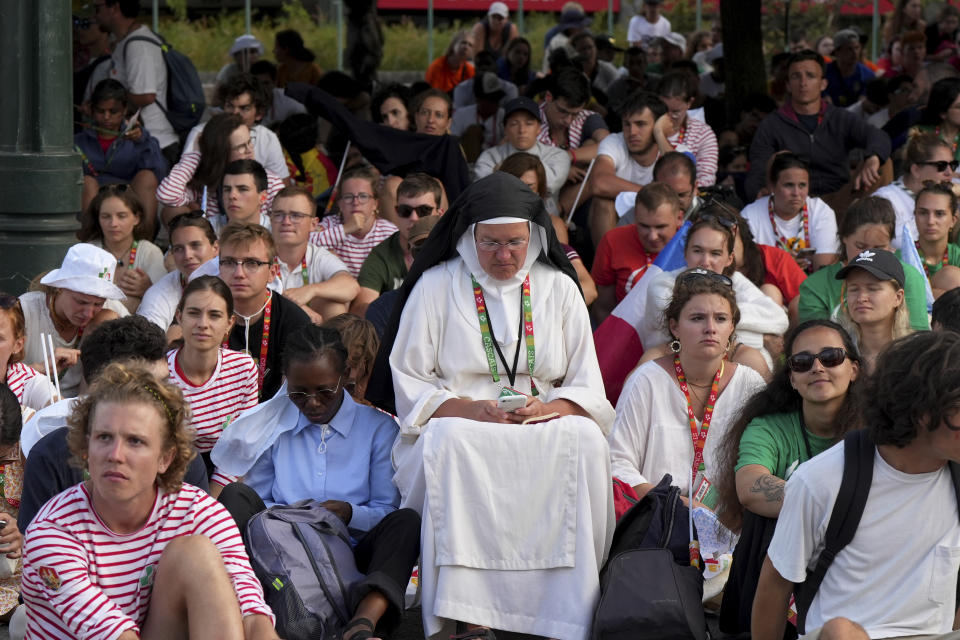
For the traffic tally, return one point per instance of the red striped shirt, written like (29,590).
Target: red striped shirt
(231,389)
(174,192)
(351,249)
(18,375)
(700,140)
(81,580)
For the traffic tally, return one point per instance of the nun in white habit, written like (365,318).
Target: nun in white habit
(517,518)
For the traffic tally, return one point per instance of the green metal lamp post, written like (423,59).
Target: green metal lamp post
(40,174)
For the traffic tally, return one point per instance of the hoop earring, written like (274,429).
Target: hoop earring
(675,346)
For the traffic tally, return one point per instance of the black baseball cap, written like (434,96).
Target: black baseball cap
(521,103)
(878,263)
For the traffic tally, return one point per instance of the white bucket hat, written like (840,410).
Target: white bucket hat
(86,269)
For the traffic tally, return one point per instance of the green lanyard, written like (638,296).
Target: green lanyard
(489,345)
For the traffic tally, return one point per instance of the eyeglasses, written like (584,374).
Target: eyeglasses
(694,274)
(726,223)
(423,210)
(350,198)
(829,357)
(243,146)
(296,218)
(250,265)
(941,165)
(492,247)
(113,188)
(320,395)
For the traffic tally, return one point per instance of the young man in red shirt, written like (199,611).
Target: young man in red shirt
(624,253)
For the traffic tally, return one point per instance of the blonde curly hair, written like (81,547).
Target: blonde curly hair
(123,383)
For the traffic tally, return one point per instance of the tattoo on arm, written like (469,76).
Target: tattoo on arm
(770,486)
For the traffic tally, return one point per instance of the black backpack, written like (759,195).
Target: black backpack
(648,590)
(185,97)
(858,458)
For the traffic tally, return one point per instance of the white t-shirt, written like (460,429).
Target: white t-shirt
(321,266)
(159,303)
(492,127)
(282,107)
(141,69)
(642,31)
(898,576)
(148,259)
(903,203)
(651,433)
(266,148)
(614,147)
(822,220)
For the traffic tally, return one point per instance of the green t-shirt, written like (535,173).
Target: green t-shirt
(820,295)
(384,269)
(774,441)
(953,258)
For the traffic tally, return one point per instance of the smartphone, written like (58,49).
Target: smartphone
(511,403)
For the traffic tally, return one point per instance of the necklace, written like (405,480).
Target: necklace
(791,245)
(926,266)
(956,139)
(264,340)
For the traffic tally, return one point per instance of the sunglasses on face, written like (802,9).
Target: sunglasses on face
(941,165)
(695,274)
(423,210)
(829,358)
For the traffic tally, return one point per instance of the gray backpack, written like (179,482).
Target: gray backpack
(302,555)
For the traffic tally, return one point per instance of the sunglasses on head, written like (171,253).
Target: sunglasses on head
(829,357)
(941,165)
(726,223)
(120,187)
(8,301)
(694,274)
(423,210)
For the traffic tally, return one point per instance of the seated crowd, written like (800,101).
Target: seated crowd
(459,321)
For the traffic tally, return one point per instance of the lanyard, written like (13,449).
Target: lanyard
(264,341)
(133,254)
(304,274)
(793,244)
(489,344)
(699,436)
(13,502)
(943,260)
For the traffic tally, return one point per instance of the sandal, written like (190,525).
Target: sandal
(360,634)
(483,633)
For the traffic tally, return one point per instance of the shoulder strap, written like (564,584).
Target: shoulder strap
(162,43)
(955,476)
(858,454)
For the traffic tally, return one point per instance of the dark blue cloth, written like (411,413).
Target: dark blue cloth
(123,158)
(844,92)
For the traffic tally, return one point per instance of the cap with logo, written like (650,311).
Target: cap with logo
(878,263)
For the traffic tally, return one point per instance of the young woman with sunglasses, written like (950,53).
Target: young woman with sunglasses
(874,309)
(790,219)
(711,245)
(867,225)
(353,232)
(936,216)
(927,158)
(116,221)
(217,383)
(675,410)
(805,409)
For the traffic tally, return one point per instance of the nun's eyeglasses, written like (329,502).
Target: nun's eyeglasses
(492,247)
